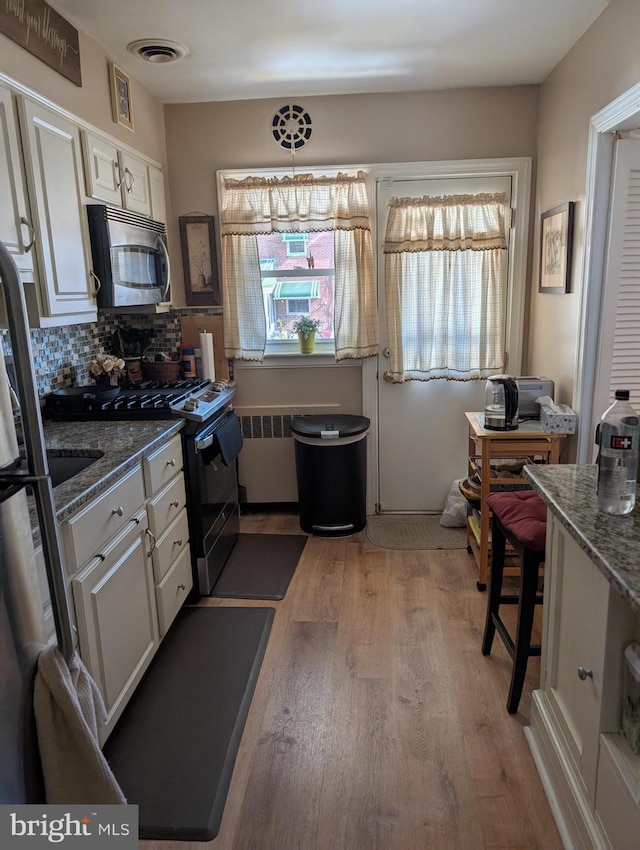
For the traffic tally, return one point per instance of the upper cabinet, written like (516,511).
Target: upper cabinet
(53,164)
(121,178)
(16,231)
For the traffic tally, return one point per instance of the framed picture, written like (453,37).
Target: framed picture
(198,238)
(556,237)
(120,96)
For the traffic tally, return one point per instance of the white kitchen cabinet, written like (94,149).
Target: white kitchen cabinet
(587,625)
(117,617)
(53,164)
(16,232)
(121,178)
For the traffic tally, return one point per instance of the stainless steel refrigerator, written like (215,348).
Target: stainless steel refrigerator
(20,604)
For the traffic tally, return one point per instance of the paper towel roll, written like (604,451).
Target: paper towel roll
(208,362)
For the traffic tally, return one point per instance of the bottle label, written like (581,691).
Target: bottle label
(621,443)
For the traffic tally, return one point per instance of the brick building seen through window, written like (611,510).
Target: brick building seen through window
(297,279)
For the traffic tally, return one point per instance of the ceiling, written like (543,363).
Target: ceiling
(240,49)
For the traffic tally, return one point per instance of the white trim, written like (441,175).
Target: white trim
(622,114)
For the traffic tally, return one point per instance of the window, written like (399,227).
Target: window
(293,286)
(296,244)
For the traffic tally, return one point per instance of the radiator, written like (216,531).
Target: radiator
(266,465)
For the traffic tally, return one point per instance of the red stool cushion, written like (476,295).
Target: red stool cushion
(523,514)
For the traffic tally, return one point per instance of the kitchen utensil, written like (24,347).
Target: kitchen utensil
(501,403)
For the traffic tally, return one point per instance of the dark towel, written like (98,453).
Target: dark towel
(229,436)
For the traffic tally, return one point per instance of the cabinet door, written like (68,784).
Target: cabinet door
(117,619)
(156,190)
(102,171)
(135,174)
(14,210)
(53,160)
(576,622)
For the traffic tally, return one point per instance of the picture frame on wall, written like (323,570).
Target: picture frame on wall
(120,96)
(556,241)
(199,260)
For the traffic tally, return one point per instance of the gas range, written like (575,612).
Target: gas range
(147,400)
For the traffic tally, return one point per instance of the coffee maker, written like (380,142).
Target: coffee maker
(501,403)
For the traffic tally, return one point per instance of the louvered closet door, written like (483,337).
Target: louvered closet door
(619,342)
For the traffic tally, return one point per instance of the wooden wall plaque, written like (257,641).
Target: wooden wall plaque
(34,25)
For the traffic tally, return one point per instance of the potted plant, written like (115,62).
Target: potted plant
(306,328)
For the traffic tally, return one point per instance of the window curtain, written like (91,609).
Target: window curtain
(444,286)
(299,204)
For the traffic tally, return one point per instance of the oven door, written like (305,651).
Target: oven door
(214,505)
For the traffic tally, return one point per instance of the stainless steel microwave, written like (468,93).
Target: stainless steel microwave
(130,257)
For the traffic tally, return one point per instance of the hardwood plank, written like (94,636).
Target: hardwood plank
(376,722)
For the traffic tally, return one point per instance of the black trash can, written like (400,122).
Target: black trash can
(331,467)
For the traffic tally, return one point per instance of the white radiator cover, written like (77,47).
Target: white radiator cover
(266,464)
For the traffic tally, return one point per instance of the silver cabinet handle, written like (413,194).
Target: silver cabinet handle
(98,282)
(153,540)
(32,235)
(178,542)
(120,177)
(182,586)
(130,180)
(583,674)
(171,462)
(119,510)
(175,503)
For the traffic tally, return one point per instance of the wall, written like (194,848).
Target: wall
(347,129)
(602,65)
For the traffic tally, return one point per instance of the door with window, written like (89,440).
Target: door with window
(422,430)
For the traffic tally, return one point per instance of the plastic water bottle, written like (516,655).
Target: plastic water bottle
(617,436)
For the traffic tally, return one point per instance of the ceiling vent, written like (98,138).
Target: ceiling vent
(158,50)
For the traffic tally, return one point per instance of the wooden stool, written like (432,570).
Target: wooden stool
(520,517)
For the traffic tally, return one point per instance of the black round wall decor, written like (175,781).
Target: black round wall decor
(291,127)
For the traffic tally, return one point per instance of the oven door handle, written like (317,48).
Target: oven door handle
(203,444)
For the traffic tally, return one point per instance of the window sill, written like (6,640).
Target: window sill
(286,355)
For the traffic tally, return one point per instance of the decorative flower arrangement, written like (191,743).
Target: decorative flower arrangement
(305,325)
(106,369)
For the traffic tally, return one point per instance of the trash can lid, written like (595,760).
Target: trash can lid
(334,424)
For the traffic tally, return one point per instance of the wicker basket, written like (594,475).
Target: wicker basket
(167,371)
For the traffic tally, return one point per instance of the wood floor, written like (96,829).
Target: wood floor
(376,722)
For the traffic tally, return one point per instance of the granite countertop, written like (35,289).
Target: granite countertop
(612,542)
(123,443)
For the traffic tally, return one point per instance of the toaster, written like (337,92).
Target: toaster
(530,388)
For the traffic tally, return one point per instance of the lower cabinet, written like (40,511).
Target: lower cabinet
(576,715)
(117,617)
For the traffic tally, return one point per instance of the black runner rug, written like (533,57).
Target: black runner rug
(174,748)
(260,566)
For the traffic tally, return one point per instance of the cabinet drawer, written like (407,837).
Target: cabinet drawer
(166,506)
(87,532)
(169,546)
(173,590)
(162,465)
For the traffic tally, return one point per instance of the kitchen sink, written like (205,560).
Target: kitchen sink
(65,463)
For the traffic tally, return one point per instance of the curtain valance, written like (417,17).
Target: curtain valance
(300,204)
(447,223)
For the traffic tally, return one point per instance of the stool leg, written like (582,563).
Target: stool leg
(498,546)
(526,608)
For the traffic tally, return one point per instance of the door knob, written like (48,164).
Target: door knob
(584,674)
(386,352)
(388,376)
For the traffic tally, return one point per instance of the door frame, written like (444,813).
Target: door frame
(620,115)
(519,169)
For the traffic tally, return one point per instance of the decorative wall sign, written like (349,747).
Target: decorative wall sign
(120,97)
(198,238)
(34,25)
(556,237)
(291,127)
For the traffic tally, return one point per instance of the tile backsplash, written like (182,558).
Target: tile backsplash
(61,355)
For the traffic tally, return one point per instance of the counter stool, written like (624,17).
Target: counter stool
(521,518)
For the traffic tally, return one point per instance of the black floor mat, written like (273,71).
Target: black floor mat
(174,747)
(260,566)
